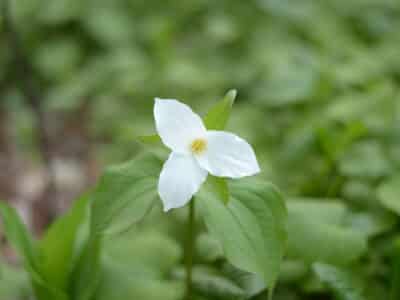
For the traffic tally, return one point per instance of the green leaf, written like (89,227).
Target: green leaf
(208,249)
(125,194)
(251,283)
(395,287)
(58,58)
(57,245)
(153,144)
(150,139)
(365,159)
(136,265)
(121,282)
(211,285)
(329,211)
(372,223)
(251,227)
(14,283)
(220,187)
(144,249)
(18,235)
(322,225)
(339,281)
(389,194)
(43,290)
(87,272)
(293,270)
(60,11)
(218,116)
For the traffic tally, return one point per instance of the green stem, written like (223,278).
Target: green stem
(189,250)
(270,292)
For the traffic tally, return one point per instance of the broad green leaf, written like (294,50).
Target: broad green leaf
(317,232)
(329,211)
(339,281)
(216,287)
(136,265)
(389,194)
(218,116)
(212,285)
(57,245)
(220,187)
(251,227)
(125,190)
(124,195)
(18,235)
(144,249)
(251,283)
(121,282)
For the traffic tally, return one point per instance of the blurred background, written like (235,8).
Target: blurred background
(318,97)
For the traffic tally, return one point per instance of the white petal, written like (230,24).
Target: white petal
(180,178)
(177,124)
(228,155)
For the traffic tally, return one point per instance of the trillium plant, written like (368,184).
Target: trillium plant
(201,149)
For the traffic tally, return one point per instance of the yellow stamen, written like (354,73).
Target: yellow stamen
(198,146)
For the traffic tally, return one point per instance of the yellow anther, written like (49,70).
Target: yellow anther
(198,146)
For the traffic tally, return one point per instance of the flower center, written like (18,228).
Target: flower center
(198,146)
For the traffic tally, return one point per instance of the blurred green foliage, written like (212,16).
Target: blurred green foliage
(318,96)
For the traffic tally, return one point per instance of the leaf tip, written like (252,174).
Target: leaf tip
(231,96)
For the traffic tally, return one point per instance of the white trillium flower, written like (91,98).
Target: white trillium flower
(196,152)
